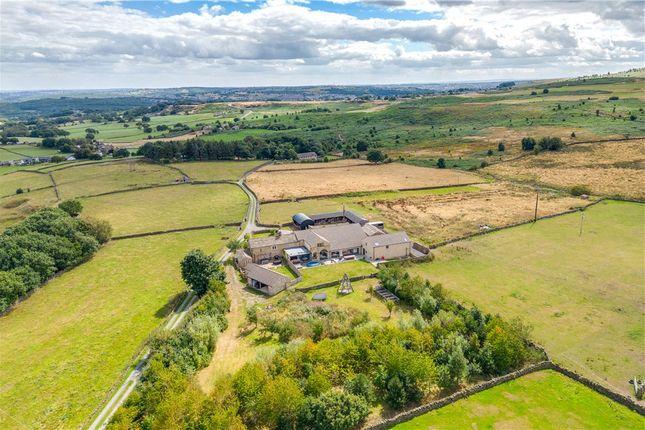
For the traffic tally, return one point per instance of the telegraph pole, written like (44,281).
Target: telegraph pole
(582,219)
(537,198)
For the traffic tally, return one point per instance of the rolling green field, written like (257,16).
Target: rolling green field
(87,180)
(544,400)
(167,208)
(216,170)
(334,272)
(18,152)
(15,208)
(583,295)
(68,344)
(10,182)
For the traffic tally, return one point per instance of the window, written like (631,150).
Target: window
(274,247)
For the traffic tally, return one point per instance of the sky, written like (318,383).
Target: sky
(61,44)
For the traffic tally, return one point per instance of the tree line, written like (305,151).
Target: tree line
(48,241)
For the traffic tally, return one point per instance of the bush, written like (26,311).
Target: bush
(20,191)
(72,207)
(441,163)
(501,147)
(334,410)
(545,91)
(528,143)
(579,190)
(97,228)
(363,387)
(550,143)
(121,153)
(376,156)
(614,98)
(489,152)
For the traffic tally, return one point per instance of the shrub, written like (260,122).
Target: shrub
(376,156)
(72,207)
(441,163)
(545,91)
(579,190)
(334,410)
(97,228)
(363,387)
(528,143)
(501,147)
(489,152)
(20,191)
(614,98)
(121,153)
(550,143)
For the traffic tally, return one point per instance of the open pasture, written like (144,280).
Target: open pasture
(216,170)
(18,152)
(437,214)
(273,185)
(611,168)
(15,208)
(72,339)
(26,180)
(544,400)
(167,208)
(581,292)
(87,180)
(334,272)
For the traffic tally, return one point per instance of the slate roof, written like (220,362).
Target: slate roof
(352,216)
(387,239)
(306,155)
(339,236)
(266,276)
(283,239)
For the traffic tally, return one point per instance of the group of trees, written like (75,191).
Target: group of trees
(333,367)
(48,241)
(544,144)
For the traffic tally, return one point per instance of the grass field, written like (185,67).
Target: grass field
(10,182)
(583,295)
(64,347)
(15,208)
(544,400)
(334,272)
(93,179)
(18,152)
(216,170)
(271,185)
(167,208)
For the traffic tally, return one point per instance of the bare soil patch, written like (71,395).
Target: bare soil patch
(611,168)
(319,182)
(307,166)
(435,218)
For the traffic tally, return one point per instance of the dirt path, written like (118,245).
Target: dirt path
(232,349)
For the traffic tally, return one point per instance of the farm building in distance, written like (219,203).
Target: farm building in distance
(307,156)
(322,239)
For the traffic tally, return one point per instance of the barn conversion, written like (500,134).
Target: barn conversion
(302,221)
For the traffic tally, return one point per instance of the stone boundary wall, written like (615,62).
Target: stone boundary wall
(324,196)
(174,230)
(332,283)
(469,391)
(462,394)
(25,192)
(317,168)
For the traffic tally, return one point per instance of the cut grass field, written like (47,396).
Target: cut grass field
(18,152)
(273,185)
(544,400)
(334,272)
(91,179)
(167,208)
(10,182)
(583,295)
(68,344)
(15,208)
(216,170)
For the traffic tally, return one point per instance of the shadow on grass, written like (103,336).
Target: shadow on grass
(171,304)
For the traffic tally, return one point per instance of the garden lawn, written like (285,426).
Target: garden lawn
(216,170)
(583,295)
(10,182)
(334,272)
(65,346)
(87,180)
(544,400)
(167,208)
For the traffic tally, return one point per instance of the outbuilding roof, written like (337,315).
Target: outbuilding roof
(283,239)
(350,215)
(265,276)
(387,239)
(338,236)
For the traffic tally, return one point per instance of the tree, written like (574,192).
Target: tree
(441,163)
(501,147)
(489,152)
(579,190)
(528,143)
(545,91)
(375,156)
(233,245)
(11,289)
(333,410)
(279,403)
(72,207)
(362,386)
(121,153)
(389,304)
(197,269)
(97,228)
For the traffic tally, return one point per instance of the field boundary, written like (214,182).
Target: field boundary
(51,178)
(324,196)
(317,168)
(174,230)
(332,283)
(27,192)
(483,386)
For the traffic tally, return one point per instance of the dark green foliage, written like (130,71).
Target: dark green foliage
(501,147)
(528,143)
(19,191)
(614,98)
(197,270)
(363,387)
(441,163)
(489,152)
(545,91)
(98,228)
(72,207)
(33,250)
(121,153)
(334,410)
(579,190)
(375,156)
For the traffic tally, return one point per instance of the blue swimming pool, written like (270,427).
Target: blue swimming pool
(312,263)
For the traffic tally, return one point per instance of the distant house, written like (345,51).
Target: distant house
(307,156)
(70,158)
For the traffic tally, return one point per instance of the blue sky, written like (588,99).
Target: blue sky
(108,44)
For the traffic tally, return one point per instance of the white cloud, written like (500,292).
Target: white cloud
(69,43)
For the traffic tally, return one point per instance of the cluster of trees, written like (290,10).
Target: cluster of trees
(278,148)
(544,144)
(294,316)
(166,397)
(48,241)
